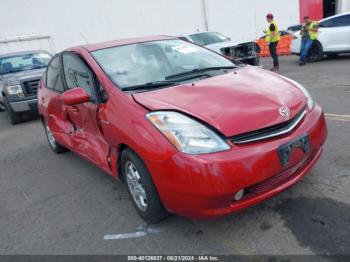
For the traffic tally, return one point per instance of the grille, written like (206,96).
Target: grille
(269,132)
(31,87)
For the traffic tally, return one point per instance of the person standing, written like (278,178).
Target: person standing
(309,33)
(272,38)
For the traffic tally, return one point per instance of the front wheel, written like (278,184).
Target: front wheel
(316,52)
(141,188)
(14,117)
(56,147)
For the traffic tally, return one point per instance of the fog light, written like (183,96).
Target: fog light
(239,195)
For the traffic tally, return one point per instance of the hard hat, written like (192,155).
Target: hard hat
(270,16)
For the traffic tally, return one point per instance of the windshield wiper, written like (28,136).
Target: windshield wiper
(37,67)
(199,70)
(150,85)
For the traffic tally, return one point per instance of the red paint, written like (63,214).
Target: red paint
(312,8)
(197,186)
(75,96)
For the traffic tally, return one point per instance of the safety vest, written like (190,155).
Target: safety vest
(272,38)
(312,25)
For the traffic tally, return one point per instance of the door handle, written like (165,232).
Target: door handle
(103,122)
(74,109)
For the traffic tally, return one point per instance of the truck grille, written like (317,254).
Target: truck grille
(31,87)
(269,132)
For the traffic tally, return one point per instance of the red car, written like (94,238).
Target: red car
(189,131)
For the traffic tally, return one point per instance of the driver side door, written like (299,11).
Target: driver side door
(87,136)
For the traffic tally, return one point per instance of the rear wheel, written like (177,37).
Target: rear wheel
(56,147)
(14,117)
(316,52)
(141,188)
(2,107)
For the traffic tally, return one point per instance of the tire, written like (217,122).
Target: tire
(2,107)
(14,117)
(256,61)
(316,52)
(141,189)
(54,145)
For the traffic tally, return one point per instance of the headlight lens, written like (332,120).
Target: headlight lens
(15,90)
(186,134)
(310,101)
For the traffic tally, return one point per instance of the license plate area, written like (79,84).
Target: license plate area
(286,150)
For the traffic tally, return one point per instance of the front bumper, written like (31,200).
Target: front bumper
(203,186)
(25,105)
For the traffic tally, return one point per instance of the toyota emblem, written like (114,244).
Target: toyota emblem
(284,111)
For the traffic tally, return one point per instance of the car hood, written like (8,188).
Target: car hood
(24,75)
(218,46)
(233,103)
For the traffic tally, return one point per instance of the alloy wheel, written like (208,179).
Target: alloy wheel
(50,137)
(135,186)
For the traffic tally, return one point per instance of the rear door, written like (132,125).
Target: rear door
(87,137)
(334,34)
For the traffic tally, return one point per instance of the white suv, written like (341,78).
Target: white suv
(333,38)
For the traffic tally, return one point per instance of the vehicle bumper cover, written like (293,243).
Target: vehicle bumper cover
(23,106)
(203,186)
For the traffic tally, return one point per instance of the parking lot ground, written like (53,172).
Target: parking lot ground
(60,204)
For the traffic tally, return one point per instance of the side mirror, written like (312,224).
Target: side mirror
(75,96)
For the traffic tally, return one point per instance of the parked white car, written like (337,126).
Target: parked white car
(246,52)
(333,38)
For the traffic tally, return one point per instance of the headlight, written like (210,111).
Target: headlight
(15,90)
(186,134)
(310,101)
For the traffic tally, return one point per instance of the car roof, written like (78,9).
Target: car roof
(120,42)
(333,16)
(23,53)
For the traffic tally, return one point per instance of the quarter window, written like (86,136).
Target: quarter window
(53,75)
(77,74)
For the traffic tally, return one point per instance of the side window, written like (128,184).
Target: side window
(337,21)
(77,74)
(53,75)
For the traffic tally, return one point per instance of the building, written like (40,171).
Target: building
(57,24)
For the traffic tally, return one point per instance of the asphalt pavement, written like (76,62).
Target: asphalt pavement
(61,204)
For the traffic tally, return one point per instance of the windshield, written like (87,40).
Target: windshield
(23,62)
(208,38)
(139,64)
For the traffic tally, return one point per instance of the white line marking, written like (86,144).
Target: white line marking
(142,230)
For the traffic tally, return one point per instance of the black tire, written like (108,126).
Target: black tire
(2,107)
(14,117)
(154,211)
(316,52)
(54,145)
(256,61)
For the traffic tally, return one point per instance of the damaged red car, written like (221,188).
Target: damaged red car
(187,130)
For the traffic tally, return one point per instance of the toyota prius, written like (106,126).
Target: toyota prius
(189,131)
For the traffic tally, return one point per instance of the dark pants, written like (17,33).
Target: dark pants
(273,52)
